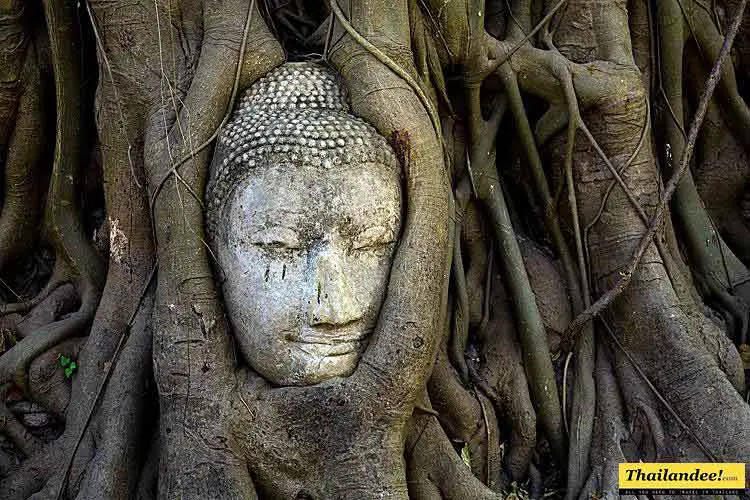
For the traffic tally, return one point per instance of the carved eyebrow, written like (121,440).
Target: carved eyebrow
(275,235)
(269,216)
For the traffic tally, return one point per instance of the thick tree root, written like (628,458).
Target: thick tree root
(538,366)
(649,313)
(47,383)
(609,433)
(712,261)
(26,442)
(467,418)
(14,363)
(24,176)
(500,372)
(721,175)
(60,302)
(434,469)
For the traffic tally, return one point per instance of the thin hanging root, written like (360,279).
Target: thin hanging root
(583,403)
(390,64)
(566,366)
(552,223)
(565,78)
(174,170)
(460,334)
(605,300)
(581,426)
(491,430)
(538,364)
(487,288)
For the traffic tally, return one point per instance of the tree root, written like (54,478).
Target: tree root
(76,258)
(434,469)
(22,192)
(502,378)
(25,306)
(707,251)
(57,304)
(47,383)
(223,452)
(722,172)
(532,334)
(111,442)
(467,418)
(112,469)
(15,362)
(609,433)
(477,267)
(605,300)
(460,335)
(458,410)
(26,442)
(582,412)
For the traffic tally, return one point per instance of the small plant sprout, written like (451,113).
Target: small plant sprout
(69,365)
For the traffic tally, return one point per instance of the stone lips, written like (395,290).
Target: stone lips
(296,113)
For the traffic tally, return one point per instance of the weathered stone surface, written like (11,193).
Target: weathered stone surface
(304,211)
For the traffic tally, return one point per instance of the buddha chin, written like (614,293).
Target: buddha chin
(305,236)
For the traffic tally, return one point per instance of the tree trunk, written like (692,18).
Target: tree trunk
(569,288)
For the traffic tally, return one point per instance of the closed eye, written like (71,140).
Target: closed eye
(276,237)
(373,237)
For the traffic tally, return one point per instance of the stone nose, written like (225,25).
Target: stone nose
(333,300)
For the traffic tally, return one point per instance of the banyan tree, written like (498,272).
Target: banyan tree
(370,249)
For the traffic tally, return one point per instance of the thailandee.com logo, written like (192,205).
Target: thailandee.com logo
(681,478)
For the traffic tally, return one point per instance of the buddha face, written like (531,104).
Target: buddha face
(306,254)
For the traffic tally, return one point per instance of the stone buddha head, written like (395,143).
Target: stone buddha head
(304,213)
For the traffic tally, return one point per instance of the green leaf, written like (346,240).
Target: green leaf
(466,455)
(69,366)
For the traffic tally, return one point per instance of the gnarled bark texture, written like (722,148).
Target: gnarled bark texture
(570,289)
